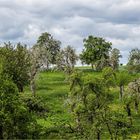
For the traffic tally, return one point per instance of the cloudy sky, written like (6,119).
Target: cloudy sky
(70,21)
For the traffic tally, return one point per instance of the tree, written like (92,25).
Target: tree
(88,100)
(109,77)
(42,54)
(49,46)
(134,92)
(37,60)
(16,63)
(90,103)
(134,61)
(16,122)
(114,58)
(96,52)
(122,79)
(66,59)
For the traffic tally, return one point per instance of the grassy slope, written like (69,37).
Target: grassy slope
(53,87)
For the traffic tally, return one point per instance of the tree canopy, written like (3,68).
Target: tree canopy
(96,52)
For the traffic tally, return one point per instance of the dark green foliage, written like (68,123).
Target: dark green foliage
(88,99)
(16,122)
(96,52)
(16,64)
(90,104)
(35,104)
(109,77)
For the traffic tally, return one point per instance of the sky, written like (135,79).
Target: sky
(70,21)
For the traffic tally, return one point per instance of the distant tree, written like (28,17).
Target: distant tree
(114,58)
(134,60)
(50,48)
(66,59)
(16,63)
(96,52)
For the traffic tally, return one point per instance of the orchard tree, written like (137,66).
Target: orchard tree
(122,79)
(134,60)
(36,63)
(134,92)
(66,59)
(109,77)
(114,58)
(90,103)
(16,63)
(96,52)
(50,48)
(42,54)
(88,98)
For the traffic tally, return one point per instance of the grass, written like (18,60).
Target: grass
(53,88)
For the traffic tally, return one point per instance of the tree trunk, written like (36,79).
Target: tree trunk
(129,112)
(92,66)
(98,135)
(20,88)
(111,136)
(121,92)
(32,87)
(136,105)
(1,133)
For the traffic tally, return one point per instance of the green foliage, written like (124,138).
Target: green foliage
(109,76)
(15,119)
(88,99)
(35,104)
(16,64)
(49,47)
(114,58)
(66,60)
(96,52)
(91,105)
(134,61)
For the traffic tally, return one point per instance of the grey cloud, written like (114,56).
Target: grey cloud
(72,20)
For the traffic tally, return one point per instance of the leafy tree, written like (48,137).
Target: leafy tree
(49,46)
(122,79)
(16,63)
(16,122)
(90,103)
(96,52)
(134,61)
(134,92)
(88,99)
(109,77)
(114,58)
(66,59)
(42,54)
(37,60)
